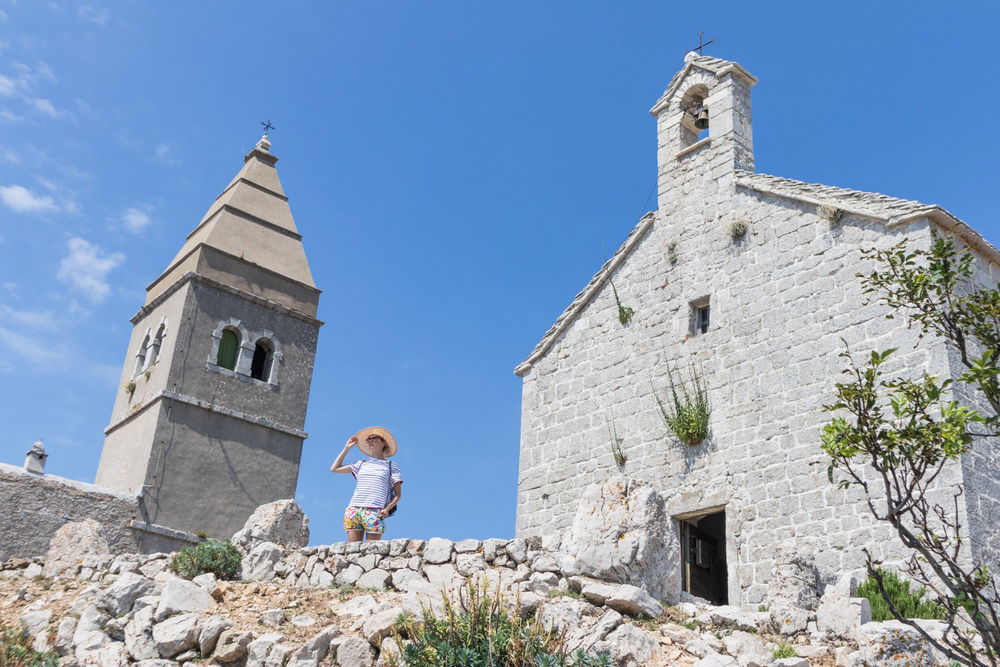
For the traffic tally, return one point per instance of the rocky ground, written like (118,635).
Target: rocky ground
(301,606)
(156,619)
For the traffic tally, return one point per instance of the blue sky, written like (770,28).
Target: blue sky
(458,170)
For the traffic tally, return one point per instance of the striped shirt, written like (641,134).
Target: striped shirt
(373,480)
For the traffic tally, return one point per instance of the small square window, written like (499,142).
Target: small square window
(701,315)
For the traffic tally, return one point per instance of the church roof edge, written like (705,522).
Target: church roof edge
(892,210)
(588,292)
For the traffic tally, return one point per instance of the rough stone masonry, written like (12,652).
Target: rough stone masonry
(782,297)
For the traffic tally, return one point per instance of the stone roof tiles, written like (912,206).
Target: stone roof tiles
(871,204)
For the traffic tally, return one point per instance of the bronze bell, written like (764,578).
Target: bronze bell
(701,122)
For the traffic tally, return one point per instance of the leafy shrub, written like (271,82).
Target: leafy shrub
(784,650)
(910,604)
(16,651)
(687,416)
(220,557)
(481,631)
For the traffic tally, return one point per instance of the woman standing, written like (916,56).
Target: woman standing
(379,483)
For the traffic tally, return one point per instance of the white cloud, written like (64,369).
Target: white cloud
(86,268)
(8,86)
(31,319)
(8,155)
(164,153)
(98,16)
(10,116)
(47,108)
(45,72)
(135,220)
(39,351)
(51,186)
(86,110)
(23,200)
(3,16)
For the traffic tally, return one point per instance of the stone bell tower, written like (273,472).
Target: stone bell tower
(208,418)
(704,129)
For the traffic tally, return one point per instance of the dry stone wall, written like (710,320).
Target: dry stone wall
(33,507)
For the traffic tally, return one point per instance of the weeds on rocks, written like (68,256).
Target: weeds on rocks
(481,630)
(220,557)
(16,651)
(784,650)
(910,604)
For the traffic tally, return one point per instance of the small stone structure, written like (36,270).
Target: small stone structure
(34,458)
(750,281)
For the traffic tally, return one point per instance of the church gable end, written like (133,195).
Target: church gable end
(747,282)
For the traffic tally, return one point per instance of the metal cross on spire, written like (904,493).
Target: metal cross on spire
(702,44)
(268,126)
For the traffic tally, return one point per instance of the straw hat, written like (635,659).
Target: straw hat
(363,434)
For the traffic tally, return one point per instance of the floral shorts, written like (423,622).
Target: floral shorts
(364,518)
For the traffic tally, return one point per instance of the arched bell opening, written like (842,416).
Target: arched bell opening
(263,358)
(694,119)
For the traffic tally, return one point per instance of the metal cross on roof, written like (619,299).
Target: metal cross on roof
(702,44)
(267,126)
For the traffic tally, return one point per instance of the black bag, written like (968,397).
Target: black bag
(392,493)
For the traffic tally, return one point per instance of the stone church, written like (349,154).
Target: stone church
(208,420)
(748,280)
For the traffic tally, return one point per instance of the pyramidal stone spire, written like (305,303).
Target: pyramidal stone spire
(208,420)
(249,223)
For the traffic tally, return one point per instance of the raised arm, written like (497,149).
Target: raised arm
(338,465)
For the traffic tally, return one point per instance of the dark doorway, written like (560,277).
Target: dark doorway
(703,557)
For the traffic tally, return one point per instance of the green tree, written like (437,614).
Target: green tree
(911,430)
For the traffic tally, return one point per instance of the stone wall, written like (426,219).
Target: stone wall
(980,465)
(33,507)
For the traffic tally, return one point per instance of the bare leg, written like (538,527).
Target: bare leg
(354,535)
(374,537)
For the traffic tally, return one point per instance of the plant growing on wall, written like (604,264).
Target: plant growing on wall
(893,438)
(616,444)
(687,412)
(625,313)
(831,214)
(672,252)
(130,387)
(738,229)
